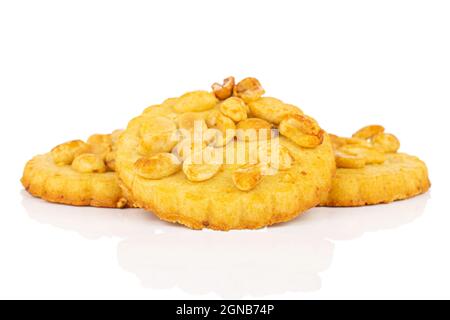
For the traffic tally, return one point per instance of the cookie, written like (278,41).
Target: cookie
(371,171)
(226,159)
(77,173)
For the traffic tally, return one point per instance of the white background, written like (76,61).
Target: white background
(71,68)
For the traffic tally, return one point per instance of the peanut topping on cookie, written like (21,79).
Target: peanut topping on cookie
(272,109)
(386,142)
(195,101)
(189,120)
(226,183)
(157,135)
(89,163)
(157,125)
(77,173)
(340,141)
(100,144)
(344,160)
(370,171)
(303,130)
(254,129)
(368,132)
(65,153)
(234,108)
(249,89)
(369,145)
(225,90)
(226,126)
(186,147)
(247,177)
(201,166)
(208,122)
(100,139)
(370,155)
(158,166)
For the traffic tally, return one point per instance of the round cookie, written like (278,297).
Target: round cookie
(240,188)
(370,171)
(77,173)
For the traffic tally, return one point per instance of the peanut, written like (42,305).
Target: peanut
(344,160)
(338,142)
(100,144)
(234,108)
(96,139)
(225,125)
(156,167)
(186,147)
(302,130)
(195,101)
(158,134)
(253,129)
(385,142)
(65,153)
(192,120)
(370,155)
(272,110)
(368,132)
(225,90)
(247,177)
(197,168)
(157,125)
(89,163)
(249,89)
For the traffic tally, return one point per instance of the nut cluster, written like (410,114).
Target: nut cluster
(369,145)
(231,112)
(97,155)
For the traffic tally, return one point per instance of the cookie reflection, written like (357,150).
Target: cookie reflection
(288,257)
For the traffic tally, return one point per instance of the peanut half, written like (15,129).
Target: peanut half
(226,126)
(225,90)
(247,177)
(370,155)
(65,153)
(344,160)
(386,142)
(158,166)
(253,129)
(89,163)
(249,89)
(302,130)
(272,109)
(201,166)
(158,134)
(368,132)
(191,121)
(234,108)
(195,101)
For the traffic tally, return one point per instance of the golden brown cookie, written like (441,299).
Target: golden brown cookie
(227,159)
(77,173)
(370,171)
